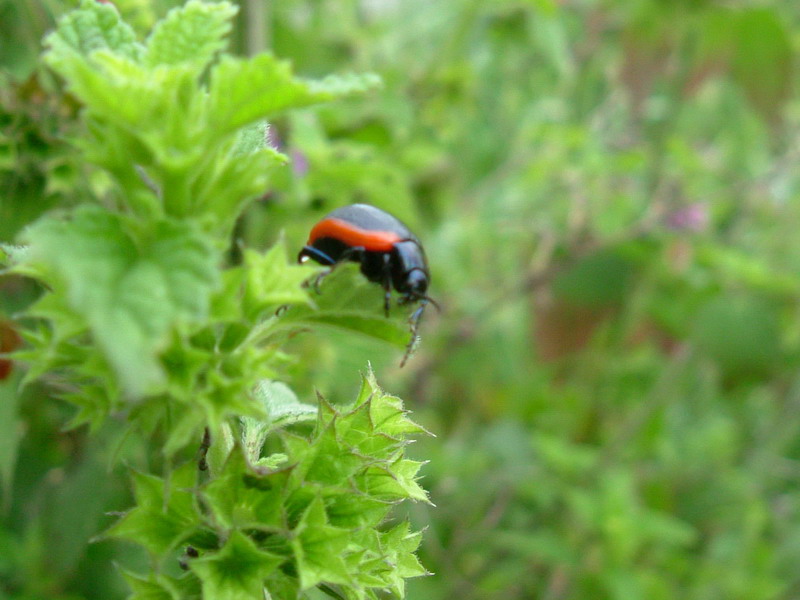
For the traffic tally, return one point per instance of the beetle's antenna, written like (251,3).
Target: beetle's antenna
(434,302)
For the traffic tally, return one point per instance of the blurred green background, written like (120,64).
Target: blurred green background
(609,195)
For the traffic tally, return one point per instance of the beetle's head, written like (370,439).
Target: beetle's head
(415,285)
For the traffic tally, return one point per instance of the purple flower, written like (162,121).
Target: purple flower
(299,163)
(692,217)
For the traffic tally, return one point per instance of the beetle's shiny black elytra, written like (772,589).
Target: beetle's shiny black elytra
(388,252)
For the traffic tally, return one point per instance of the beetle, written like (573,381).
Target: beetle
(388,252)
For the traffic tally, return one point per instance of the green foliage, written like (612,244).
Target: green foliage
(607,193)
(305,516)
(138,315)
(95,263)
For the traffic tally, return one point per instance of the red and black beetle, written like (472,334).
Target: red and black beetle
(388,252)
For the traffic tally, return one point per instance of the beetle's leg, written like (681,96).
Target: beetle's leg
(356,252)
(413,322)
(320,257)
(315,283)
(352,253)
(387,284)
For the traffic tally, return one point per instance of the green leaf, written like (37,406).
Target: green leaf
(251,138)
(282,408)
(318,548)
(387,412)
(237,571)
(232,180)
(393,482)
(192,33)
(150,588)
(281,404)
(165,514)
(242,497)
(399,545)
(94,26)
(327,461)
(354,510)
(222,444)
(245,90)
(377,424)
(163,587)
(272,281)
(348,301)
(131,289)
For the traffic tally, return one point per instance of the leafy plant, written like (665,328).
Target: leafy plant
(139,315)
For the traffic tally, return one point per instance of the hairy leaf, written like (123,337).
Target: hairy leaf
(192,33)
(246,90)
(95,26)
(165,514)
(318,548)
(130,288)
(237,571)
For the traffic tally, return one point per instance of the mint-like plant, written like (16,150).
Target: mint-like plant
(140,316)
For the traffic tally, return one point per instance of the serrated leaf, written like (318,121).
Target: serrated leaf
(165,514)
(327,461)
(356,511)
(393,482)
(377,425)
(356,431)
(237,571)
(318,548)
(131,291)
(399,546)
(149,588)
(387,412)
(94,26)
(241,497)
(246,90)
(192,33)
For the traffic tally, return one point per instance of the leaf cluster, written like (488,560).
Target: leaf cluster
(310,514)
(137,305)
(140,314)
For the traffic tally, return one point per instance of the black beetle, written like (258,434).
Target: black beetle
(388,252)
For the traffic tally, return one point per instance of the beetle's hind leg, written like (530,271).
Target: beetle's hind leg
(325,259)
(387,284)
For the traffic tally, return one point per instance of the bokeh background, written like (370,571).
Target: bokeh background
(609,196)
